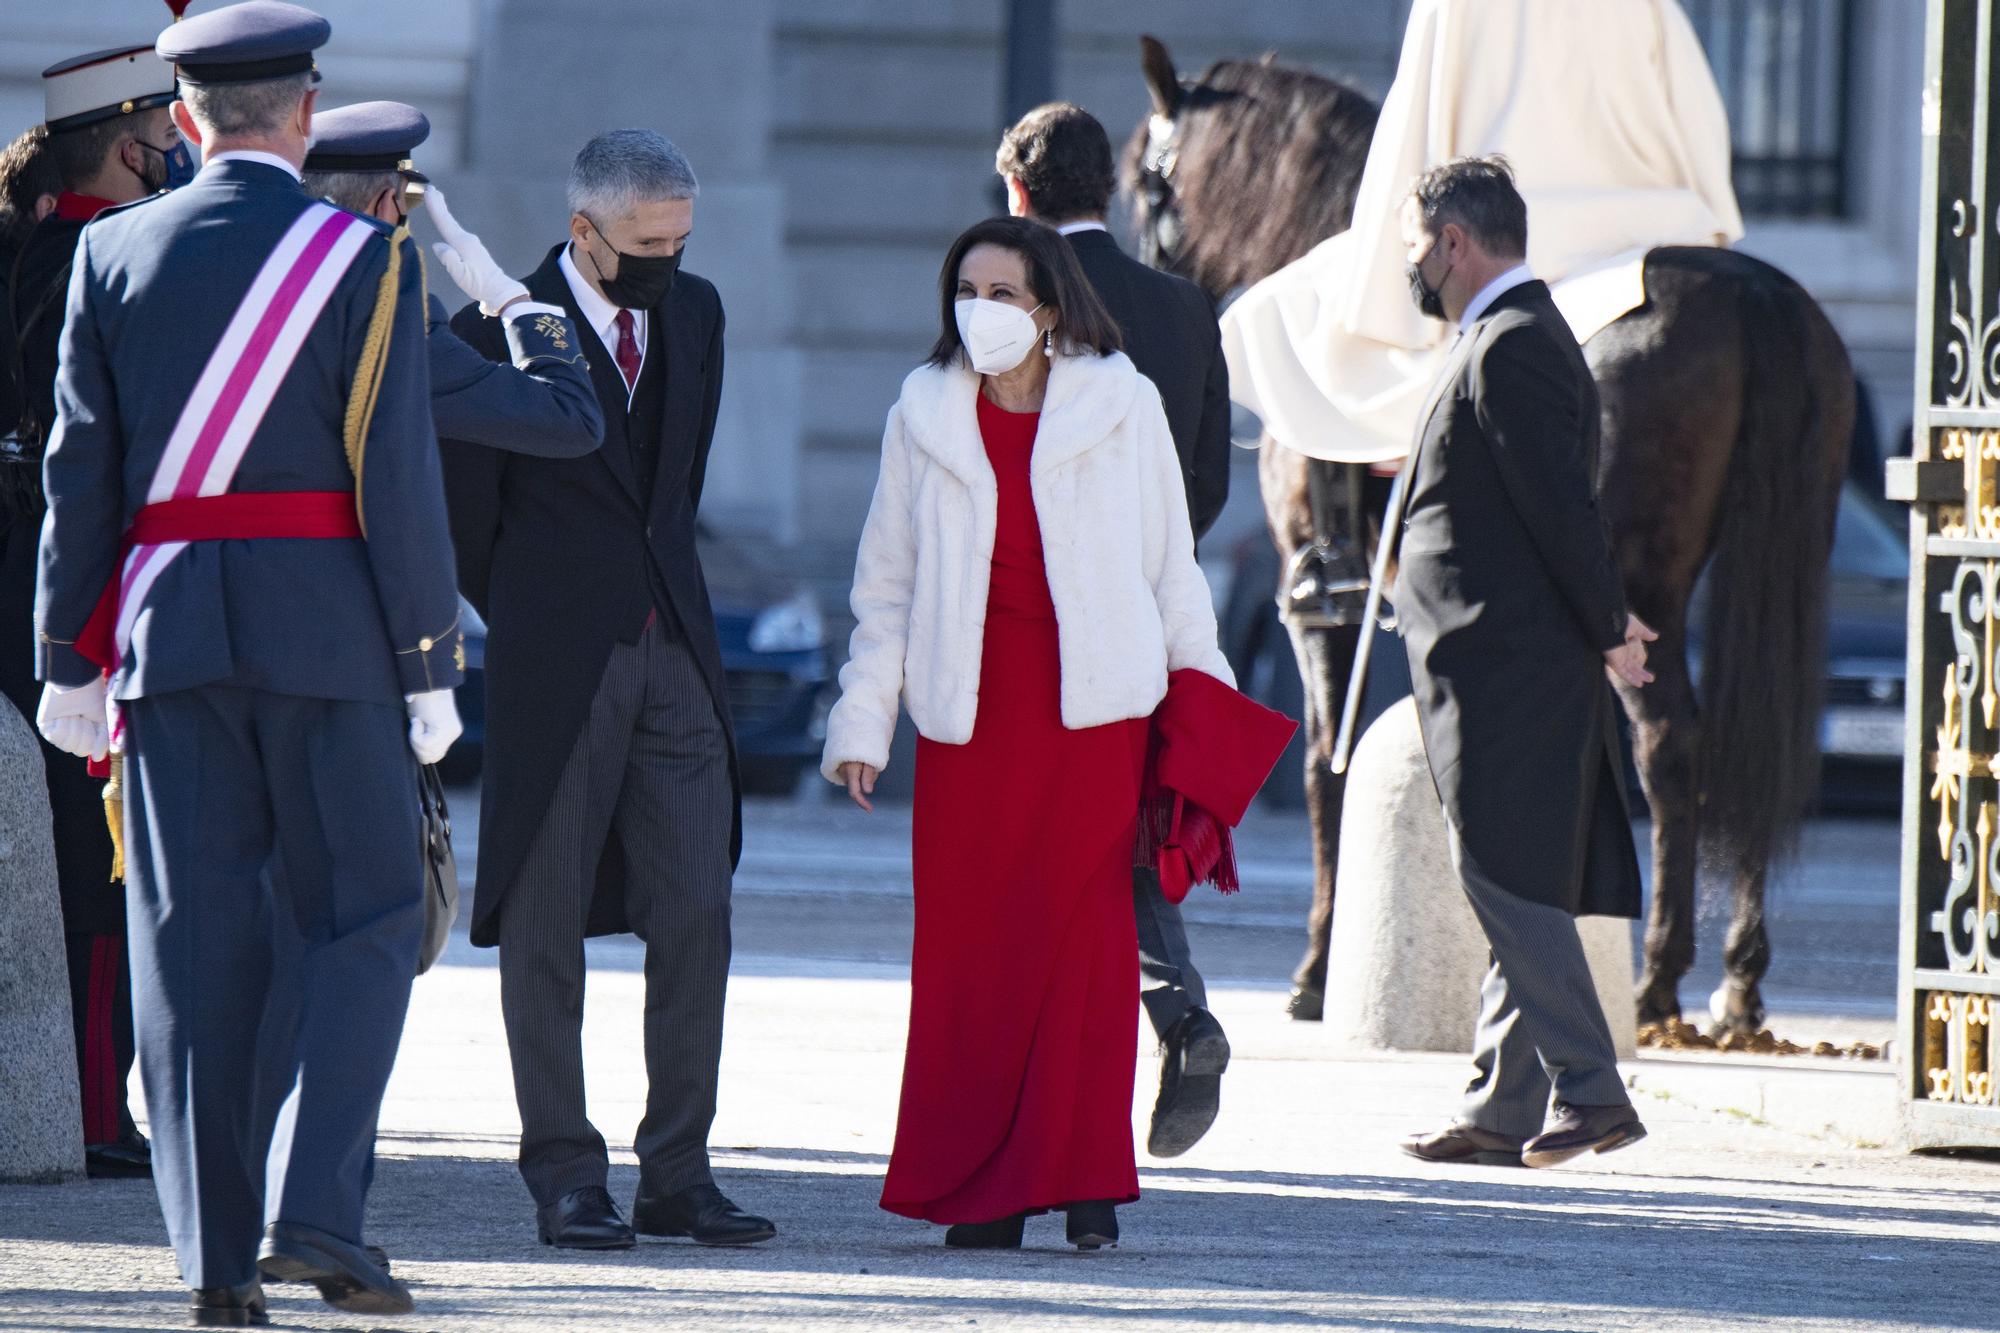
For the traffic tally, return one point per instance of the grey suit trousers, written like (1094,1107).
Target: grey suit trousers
(651,769)
(1540,1024)
(1168,982)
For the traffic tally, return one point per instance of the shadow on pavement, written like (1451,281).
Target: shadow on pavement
(1248,1247)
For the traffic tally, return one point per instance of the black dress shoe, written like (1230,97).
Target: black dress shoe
(584,1219)
(1002,1234)
(702,1213)
(1093,1224)
(1581,1129)
(346,1277)
(227,1307)
(1307,1005)
(129,1157)
(377,1256)
(1461,1144)
(1190,1083)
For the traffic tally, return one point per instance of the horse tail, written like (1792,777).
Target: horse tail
(1763,673)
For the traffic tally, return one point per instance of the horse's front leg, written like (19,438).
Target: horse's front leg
(1326,657)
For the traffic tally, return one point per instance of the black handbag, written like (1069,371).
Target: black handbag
(440,868)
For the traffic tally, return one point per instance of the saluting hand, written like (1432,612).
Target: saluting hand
(860,780)
(465,258)
(1627,662)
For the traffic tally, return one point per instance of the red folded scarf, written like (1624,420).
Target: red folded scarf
(1212,749)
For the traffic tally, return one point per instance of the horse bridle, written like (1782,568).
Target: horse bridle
(1161,237)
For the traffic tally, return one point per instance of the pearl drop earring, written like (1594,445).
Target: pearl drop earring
(1049,343)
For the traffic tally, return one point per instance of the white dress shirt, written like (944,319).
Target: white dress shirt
(1072,228)
(602,315)
(1492,292)
(251,155)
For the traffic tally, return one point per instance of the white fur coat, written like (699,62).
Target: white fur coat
(1131,604)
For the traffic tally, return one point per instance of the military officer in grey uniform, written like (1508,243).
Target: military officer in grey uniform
(540,401)
(238,358)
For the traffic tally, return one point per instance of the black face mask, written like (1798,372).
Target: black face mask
(1429,300)
(643,281)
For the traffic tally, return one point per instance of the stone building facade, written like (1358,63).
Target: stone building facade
(842,143)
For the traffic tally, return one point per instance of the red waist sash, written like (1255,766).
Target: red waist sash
(247,515)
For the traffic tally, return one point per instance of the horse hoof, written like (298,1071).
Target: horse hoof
(1657,1005)
(1735,1009)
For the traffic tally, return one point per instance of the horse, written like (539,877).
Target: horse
(1727,407)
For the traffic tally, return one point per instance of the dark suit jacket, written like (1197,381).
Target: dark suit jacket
(565,557)
(1508,597)
(538,401)
(1172,336)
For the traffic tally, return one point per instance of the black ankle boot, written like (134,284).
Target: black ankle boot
(1093,1224)
(1003,1234)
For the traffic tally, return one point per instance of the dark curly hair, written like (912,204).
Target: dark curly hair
(1478,194)
(1062,156)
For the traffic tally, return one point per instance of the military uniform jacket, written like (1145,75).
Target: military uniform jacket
(92,902)
(542,404)
(564,558)
(154,286)
(1508,597)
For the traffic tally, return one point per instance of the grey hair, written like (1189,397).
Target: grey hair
(621,168)
(231,109)
(355,191)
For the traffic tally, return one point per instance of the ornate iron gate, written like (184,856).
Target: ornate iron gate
(1949,1007)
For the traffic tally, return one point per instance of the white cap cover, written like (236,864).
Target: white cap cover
(104,84)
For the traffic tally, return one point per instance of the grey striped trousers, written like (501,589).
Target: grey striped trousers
(1540,1023)
(650,770)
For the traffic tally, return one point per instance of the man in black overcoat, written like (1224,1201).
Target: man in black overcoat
(1056,162)
(1512,613)
(610,797)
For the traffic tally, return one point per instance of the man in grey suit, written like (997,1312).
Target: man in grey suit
(610,801)
(1512,615)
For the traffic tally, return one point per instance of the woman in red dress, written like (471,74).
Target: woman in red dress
(1025,581)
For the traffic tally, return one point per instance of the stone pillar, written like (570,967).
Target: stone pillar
(1407,954)
(41,1115)
(551,73)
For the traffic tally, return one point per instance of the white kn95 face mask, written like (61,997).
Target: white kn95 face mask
(997,336)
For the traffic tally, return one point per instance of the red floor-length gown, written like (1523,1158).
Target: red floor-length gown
(1017,1084)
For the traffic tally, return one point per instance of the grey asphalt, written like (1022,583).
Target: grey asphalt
(1296,1212)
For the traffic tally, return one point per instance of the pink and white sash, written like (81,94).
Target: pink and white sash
(242,376)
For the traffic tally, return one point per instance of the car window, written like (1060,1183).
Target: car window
(1864,543)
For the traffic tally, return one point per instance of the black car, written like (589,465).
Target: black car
(774,658)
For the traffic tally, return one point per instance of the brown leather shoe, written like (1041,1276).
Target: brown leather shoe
(1581,1129)
(1460,1144)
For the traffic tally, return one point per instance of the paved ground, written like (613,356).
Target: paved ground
(1296,1213)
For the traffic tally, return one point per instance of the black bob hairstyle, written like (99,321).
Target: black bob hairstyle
(1082,325)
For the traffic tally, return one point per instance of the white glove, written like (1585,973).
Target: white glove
(434,724)
(73,720)
(467,261)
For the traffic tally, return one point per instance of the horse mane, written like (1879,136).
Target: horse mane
(1269,158)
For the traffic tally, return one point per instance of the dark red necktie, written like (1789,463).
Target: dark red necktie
(628,351)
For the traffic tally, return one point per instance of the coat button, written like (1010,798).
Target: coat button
(423,645)
(649,532)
